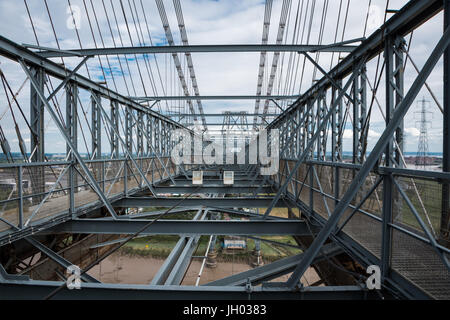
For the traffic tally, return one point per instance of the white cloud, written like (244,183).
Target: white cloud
(208,22)
(413,132)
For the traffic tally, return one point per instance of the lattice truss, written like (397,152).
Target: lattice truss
(88,118)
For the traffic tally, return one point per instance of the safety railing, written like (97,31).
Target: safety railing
(30,192)
(415,202)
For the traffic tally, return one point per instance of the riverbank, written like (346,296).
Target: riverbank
(124,268)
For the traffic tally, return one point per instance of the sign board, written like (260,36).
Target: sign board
(228,177)
(197,177)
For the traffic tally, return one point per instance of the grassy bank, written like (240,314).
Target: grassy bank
(160,247)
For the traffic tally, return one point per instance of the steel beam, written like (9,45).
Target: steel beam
(96,128)
(33,289)
(372,159)
(227,97)
(408,18)
(17,52)
(61,128)
(199,48)
(177,261)
(145,202)
(444,234)
(187,227)
(211,189)
(240,114)
(37,135)
(57,258)
(273,270)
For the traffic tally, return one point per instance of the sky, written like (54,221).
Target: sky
(209,22)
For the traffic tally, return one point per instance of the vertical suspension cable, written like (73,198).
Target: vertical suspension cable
(262,58)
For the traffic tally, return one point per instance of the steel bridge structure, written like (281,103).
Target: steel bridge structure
(346,214)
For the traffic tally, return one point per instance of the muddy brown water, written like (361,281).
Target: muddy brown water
(120,268)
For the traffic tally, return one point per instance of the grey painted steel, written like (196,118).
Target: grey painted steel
(397,117)
(33,289)
(16,52)
(141,129)
(144,202)
(126,147)
(221,114)
(228,97)
(170,264)
(308,148)
(409,17)
(273,270)
(444,235)
(245,213)
(164,271)
(57,258)
(37,132)
(210,189)
(188,227)
(199,48)
(61,128)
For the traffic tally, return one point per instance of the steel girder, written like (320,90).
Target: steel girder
(210,189)
(372,158)
(228,97)
(199,48)
(144,202)
(272,270)
(16,52)
(408,18)
(188,227)
(444,234)
(32,289)
(37,132)
(57,258)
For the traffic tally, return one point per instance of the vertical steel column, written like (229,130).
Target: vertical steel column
(96,137)
(359,114)
(128,144)
(398,87)
(129,129)
(72,133)
(297,132)
(140,142)
(115,123)
(96,127)
(444,237)
(149,127)
(310,127)
(336,139)
(140,134)
(20,194)
(71,114)
(165,134)
(303,127)
(322,142)
(157,136)
(37,134)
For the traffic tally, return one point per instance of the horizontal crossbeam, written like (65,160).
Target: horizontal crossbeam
(273,270)
(211,189)
(33,289)
(196,48)
(146,202)
(222,97)
(186,227)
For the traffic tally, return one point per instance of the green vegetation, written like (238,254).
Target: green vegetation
(160,246)
(431,195)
